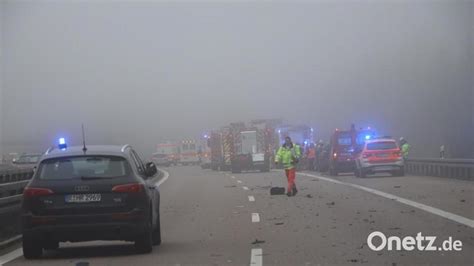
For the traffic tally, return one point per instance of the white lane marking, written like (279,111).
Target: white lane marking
(165,177)
(238,181)
(11,256)
(251,198)
(255,218)
(19,252)
(233,177)
(256,257)
(444,214)
(245,188)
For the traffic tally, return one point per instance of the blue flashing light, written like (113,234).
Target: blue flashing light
(305,142)
(367,137)
(62,144)
(312,129)
(205,136)
(279,131)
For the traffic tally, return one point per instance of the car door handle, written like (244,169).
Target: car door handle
(151,187)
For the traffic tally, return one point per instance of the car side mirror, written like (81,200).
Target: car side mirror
(150,169)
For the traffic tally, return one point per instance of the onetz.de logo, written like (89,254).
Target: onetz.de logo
(377,241)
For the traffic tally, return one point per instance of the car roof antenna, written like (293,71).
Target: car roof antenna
(84,148)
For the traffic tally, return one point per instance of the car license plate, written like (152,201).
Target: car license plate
(83,198)
(383,155)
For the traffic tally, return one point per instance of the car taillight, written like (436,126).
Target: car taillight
(335,155)
(397,153)
(31,192)
(366,155)
(129,188)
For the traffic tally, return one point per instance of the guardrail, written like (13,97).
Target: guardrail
(450,168)
(12,183)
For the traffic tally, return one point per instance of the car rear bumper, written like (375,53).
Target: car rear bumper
(115,226)
(383,167)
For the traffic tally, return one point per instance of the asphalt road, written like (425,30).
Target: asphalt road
(215,218)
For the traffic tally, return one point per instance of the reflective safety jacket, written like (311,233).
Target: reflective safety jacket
(311,154)
(405,150)
(288,156)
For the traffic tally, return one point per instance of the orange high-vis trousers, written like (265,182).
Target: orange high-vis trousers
(290,175)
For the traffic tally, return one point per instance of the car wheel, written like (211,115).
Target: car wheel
(362,173)
(156,235)
(31,247)
(356,173)
(144,242)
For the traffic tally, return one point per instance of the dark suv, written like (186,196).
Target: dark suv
(98,193)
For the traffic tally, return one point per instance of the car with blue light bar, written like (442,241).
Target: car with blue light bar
(91,193)
(345,146)
(379,155)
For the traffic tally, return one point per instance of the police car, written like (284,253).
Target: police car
(90,193)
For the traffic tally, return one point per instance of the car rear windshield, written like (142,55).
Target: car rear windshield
(84,167)
(387,145)
(344,139)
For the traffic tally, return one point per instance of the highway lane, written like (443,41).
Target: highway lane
(215,218)
(205,219)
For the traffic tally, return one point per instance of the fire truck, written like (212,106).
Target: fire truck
(214,143)
(221,145)
(204,152)
(239,147)
(189,152)
(344,148)
(253,145)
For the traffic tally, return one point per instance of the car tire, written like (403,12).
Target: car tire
(356,173)
(144,242)
(31,247)
(156,235)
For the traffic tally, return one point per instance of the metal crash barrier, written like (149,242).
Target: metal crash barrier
(449,168)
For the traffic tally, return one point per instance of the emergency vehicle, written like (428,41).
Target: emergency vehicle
(168,151)
(204,152)
(253,145)
(344,148)
(240,147)
(188,152)
(379,155)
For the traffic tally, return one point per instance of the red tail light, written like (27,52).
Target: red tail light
(366,155)
(129,188)
(31,192)
(397,153)
(335,155)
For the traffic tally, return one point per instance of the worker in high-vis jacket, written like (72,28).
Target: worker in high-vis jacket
(404,148)
(288,155)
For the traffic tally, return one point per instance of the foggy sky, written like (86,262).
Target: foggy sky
(141,73)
